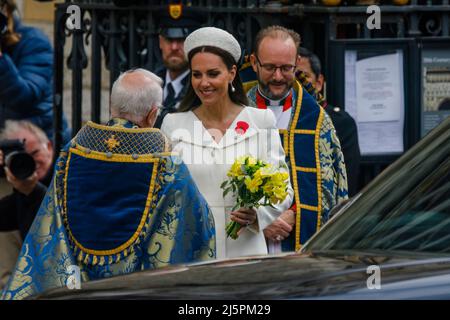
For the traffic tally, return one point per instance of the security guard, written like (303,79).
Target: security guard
(176,23)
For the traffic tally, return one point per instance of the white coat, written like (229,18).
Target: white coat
(209,162)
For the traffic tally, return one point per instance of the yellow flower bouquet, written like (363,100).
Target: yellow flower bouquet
(255,183)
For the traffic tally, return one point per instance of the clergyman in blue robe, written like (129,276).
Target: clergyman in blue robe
(119,202)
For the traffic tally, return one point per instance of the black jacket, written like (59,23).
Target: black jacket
(347,133)
(17,211)
(171,107)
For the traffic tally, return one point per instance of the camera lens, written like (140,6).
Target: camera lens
(21,164)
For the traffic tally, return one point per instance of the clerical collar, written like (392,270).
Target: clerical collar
(263,102)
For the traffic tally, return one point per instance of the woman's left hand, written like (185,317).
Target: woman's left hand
(244,216)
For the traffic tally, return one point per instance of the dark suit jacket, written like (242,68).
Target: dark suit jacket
(347,133)
(171,107)
(17,211)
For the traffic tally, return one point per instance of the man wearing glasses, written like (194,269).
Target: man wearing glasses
(312,148)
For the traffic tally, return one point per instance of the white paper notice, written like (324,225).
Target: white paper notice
(377,82)
(350,83)
(377,136)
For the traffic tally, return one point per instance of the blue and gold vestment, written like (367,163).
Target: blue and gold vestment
(313,153)
(119,202)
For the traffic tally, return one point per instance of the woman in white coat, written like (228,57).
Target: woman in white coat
(214,128)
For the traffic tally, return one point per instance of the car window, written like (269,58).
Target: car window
(419,223)
(410,214)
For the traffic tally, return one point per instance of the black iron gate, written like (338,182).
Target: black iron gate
(128,38)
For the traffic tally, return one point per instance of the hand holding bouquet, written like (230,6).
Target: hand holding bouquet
(254,183)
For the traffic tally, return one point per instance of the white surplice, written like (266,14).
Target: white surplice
(209,161)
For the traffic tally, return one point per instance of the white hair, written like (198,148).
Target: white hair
(15,127)
(135,100)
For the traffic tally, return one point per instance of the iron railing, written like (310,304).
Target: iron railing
(127,36)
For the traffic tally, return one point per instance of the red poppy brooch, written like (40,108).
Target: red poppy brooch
(241,127)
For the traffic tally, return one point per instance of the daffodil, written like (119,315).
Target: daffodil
(279,178)
(247,178)
(264,172)
(268,188)
(279,193)
(235,170)
(251,161)
(253,184)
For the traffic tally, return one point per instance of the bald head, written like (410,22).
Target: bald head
(134,93)
(135,79)
(283,34)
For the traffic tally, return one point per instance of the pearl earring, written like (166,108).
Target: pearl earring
(232,88)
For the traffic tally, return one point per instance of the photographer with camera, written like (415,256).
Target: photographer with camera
(27,170)
(26,73)
(26,156)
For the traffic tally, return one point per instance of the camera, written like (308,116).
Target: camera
(16,159)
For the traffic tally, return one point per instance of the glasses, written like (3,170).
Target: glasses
(285,69)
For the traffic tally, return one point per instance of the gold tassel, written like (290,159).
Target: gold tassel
(80,256)
(102,261)
(94,260)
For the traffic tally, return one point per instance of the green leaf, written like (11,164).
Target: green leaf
(226,192)
(224,184)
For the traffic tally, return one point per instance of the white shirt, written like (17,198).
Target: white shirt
(176,83)
(282,117)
